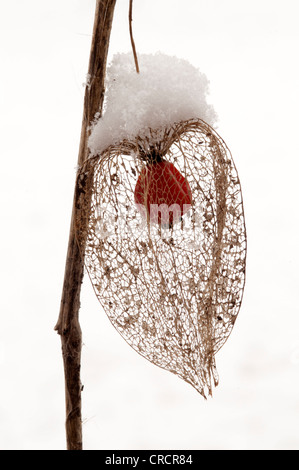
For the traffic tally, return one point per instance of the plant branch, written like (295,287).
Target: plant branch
(68,326)
(131,36)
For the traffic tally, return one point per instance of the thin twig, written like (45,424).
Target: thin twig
(131,36)
(68,326)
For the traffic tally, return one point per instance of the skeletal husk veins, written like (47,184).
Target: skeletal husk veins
(174,292)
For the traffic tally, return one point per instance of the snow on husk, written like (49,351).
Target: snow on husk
(166,90)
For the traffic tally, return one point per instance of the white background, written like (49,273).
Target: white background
(249,51)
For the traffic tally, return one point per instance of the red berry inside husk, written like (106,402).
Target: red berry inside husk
(162,194)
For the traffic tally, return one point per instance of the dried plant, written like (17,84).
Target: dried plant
(172,292)
(68,326)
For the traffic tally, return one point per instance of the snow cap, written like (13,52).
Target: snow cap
(167,90)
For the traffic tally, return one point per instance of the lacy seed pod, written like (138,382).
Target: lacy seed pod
(173,291)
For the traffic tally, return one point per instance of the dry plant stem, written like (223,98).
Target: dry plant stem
(131,36)
(68,326)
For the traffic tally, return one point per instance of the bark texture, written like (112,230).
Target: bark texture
(68,326)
